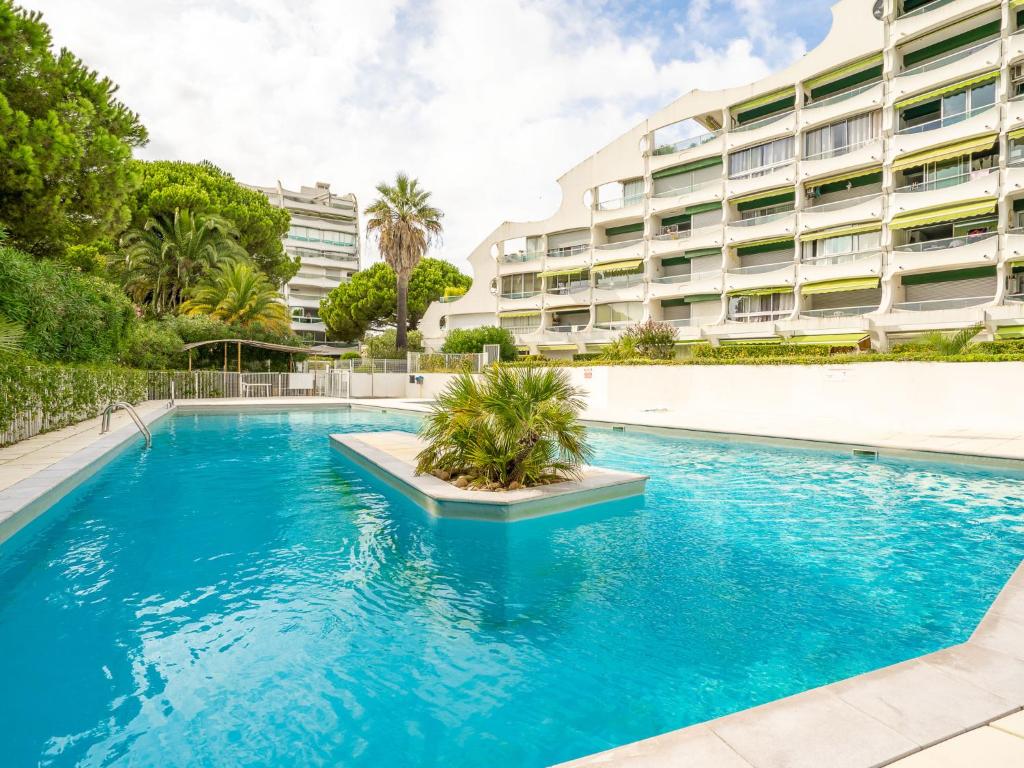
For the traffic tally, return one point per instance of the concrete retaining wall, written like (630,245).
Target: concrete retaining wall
(378,384)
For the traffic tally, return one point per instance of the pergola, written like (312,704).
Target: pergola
(320,349)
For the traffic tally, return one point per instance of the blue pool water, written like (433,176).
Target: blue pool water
(240,595)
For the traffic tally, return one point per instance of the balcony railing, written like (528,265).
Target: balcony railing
(944,243)
(839,258)
(1015,297)
(763,170)
(762,122)
(933,304)
(672,232)
(568,250)
(687,277)
(924,8)
(450,299)
(303,320)
(686,188)
(840,311)
(522,330)
(618,202)
(764,218)
(619,281)
(948,58)
(682,322)
(951,181)
(519,294)
(521,256)
(945,120)
(567,328)
(684,144)
(614,325)
(759,317)
(842,96)
(573,287)
(617,245)
(838,205)
(756,269)
(843,150)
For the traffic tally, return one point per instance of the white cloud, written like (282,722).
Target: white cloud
(487,102)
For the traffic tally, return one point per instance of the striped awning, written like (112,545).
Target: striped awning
(760,101)
(764,241)
(763,291)
(838,286)
(849,69)
(947,213)
(851,229)
(618,266)
(562,272)
(761,195)
(557,347)
(520,313)
(1018,133)
(946,152)
(952,88)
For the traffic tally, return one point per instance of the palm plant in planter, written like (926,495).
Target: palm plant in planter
(512,428)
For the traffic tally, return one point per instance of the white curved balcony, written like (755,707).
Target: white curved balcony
(935,15)
(618,210)
(1015,46)
(947,129)
(760,276)
(1013,250)
(776,175)
(571,256)
(1013,180)
(841,266)
(513,301)
(692,284)
(687,240)
(958,65)
(610,291)
(1015,113)
(761,227)
(860,208)
(865,153)
(841,319)
(570,295)
(696,147)
(624,249)
(855,101)
(765,129)
(678,198)
(938,192)
(966,251)
(522,257)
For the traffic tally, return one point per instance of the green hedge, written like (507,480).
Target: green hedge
(759,351)
(461,341)
(60,395)
(864,357)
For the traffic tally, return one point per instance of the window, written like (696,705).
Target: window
(620,314)
(756,309)
(1016,80)
(755,161)
(948,109)
(837,250)
(842,137)
(1016,153)
(523,324)
(520,286)
(576,281)
(314,235)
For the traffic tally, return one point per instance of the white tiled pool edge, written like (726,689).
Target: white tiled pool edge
(874,719)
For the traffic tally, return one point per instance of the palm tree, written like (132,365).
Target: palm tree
(404,225)
(944,344)
(165,258)
(516,427)
(239,294)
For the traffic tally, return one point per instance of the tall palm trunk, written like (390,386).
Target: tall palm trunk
(402,310)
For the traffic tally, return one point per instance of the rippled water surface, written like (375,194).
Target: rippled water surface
(241,596)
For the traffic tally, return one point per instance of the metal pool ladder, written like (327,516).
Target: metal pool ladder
(121,404)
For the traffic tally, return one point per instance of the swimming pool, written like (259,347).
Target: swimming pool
(241,595)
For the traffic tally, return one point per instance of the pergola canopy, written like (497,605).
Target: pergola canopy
(320,349)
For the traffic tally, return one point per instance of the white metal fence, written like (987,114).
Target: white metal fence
(218,384)
(440,362)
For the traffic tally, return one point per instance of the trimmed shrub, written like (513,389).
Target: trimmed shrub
(651,339)
(758,351)
(384,346)
(55,396)
(461,341)
(67,316)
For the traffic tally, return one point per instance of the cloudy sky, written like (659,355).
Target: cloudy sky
(486,101)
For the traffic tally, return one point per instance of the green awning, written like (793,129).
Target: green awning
(763,291)
(946,152)
(760,101)
(765,340)
(951,43)
(699,298)
(838,74)
(618,266)
(1010,331)
(763,246)
(682,218)
(947,213)
(768,200)
(1016,3)
(1018,133)
(846,176)
(698,252)
(675,260)
(557,347)
(852,229)
(835,339)
(948,276)
(673,303)
(929,95)
(625,229)
(837,286)
(777,191)
(523,313)
(562,272)
(696,165)
(703,207)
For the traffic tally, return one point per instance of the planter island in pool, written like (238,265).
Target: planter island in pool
(391,456)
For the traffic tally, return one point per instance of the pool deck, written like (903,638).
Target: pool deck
(960,707)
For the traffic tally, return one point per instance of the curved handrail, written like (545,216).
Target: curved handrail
(122,405)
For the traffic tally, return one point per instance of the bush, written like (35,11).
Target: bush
(59,395)
(461,341)
(579,357)
(206,328)
(67,316)
(757,351)
(154,345)
(384,346)
(651,339)
(350,356)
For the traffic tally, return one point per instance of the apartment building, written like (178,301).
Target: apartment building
(871,192)
(324,234)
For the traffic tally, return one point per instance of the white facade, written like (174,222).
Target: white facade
(324,234)
(873,190)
